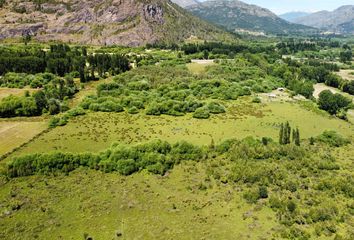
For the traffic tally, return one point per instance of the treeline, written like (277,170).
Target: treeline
(292,46)
(157,157)
(61,60)
(224,48)
(160,156)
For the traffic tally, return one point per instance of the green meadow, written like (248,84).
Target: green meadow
(97,131)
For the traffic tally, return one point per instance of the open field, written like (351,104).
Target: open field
(199,66)
(97,131)
(141,206)
(15,133)
(346,74)
(5,92)
(319,87)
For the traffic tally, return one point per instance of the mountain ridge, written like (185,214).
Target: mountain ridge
(291,16)
(104,22)
(239,16)
(339,20)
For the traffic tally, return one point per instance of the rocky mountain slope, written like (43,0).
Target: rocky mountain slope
(238,16)
(340,20)
(105,22)
(291,16)
(185,3)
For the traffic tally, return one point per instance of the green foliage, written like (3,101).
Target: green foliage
(332,103)
(332,138)
(157,157)
(202,113)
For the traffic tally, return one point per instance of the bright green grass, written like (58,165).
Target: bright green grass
(198,68)
(97,131)
(141,206)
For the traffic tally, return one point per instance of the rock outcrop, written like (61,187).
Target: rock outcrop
(104,22)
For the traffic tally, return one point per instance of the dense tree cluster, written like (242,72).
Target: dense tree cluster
(157,157)
(292,46)
(61,60)
(49,99)
(332,103)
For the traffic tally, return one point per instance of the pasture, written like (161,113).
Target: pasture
(105,206)
(17,132)
(97,131)
(199,66)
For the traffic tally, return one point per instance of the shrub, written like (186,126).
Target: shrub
(257,100)
(215,108)
(126,167)
(201,113)
(332,138)
(263,192)
(133,110)
(251,196)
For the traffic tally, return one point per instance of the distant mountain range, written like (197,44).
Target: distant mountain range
(238,16)
(185,3)
(291,16)
(121,22)
(340,20)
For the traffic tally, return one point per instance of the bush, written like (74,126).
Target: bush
(201,113)
(215,108)
(133,110)
(263,192)
(251,196)
(257,100)
(126,167)
(332,138)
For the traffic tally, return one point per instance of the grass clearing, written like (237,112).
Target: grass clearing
(97,131)
(5,92)
(199,67)
(140,206)
(319,87)
(15,133)
(346,74)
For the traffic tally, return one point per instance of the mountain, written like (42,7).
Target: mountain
(338,21)
(185,3)
(108,22)
(240,17)
(291,16)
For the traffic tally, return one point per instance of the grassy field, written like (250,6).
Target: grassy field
(5,92)
(346,74)
(319,87)
(199,67)
(141,206)
(15,133)
(242,119)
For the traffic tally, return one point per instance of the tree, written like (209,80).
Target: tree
(26,37)
(297,137)
(332,103)
(263,192)
(281,134)
(205,54)
(346,56)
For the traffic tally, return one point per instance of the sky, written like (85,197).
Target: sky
(283,6)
